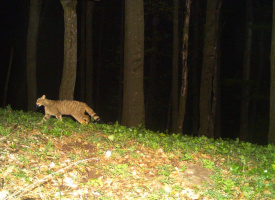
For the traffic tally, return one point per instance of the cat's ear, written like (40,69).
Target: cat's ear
(44,96)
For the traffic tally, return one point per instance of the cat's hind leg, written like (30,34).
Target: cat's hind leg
(81,119)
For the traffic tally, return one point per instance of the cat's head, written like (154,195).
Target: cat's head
(41,101)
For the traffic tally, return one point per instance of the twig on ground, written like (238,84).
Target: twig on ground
(45,178)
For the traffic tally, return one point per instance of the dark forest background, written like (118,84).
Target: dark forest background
(108,20)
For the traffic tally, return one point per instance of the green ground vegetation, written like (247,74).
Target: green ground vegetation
(65,159)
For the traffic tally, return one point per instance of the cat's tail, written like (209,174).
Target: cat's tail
(92,114)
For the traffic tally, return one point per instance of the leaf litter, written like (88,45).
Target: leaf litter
(35,165)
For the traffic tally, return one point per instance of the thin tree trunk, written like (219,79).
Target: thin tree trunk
(209,70)
(89,53)
(133,113)
(8,78)
(35,6)
(271,133)
(150,100)
(184,81)
(244,118)
(70,50)
(120,81)
(195,68)
(175,66)
(217,93)
(100,53)
(83,51)
(256,91)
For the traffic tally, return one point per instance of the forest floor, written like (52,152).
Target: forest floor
(66,160)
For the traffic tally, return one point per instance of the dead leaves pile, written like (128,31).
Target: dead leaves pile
(38,166)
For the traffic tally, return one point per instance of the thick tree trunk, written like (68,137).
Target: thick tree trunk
(70,50)
(133,97)
(184,81)
(209,70)
(89,53)
(35,6)
(271,134)
(175,67)
(244,118)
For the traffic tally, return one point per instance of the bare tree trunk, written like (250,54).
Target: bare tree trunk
(120,81)
(195,68)
(8,78)
(89,53)
(35,7)
(271,133)
(217,86)
(256,92)
(100,53)
(70,50)
(244,118)
(150,100)
(184,81)
(175,67)
(82,59)
(133,113)
(209,70)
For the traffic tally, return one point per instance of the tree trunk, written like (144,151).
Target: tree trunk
(195,81)
(99,58)
(184,81)
(217,86)
(244,118)
(70,50)
(209,70)
(271,134)
(35,6)
(133,97)
(256,91)
(121,63)
(150,97)
(89,53)
(8,78)
(175,67)
(82,59)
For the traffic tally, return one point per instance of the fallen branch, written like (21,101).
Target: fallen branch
(45,178)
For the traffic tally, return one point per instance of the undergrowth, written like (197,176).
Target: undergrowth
(238,169)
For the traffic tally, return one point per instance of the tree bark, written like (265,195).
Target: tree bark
(121,63)
(195,81)
(82,57)
(99,58)
(8,78)
(175,67)
(184,81)
(209,70)
(133,113)
(70,50)
(263,57)
(244,118)
(89,53)
(33,27)
(271,134)
(150,97)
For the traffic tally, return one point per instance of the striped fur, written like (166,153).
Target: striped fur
(67,107)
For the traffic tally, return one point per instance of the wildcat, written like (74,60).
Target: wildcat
(58,108)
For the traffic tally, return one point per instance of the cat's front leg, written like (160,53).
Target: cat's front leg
(59,117)
(46,117)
